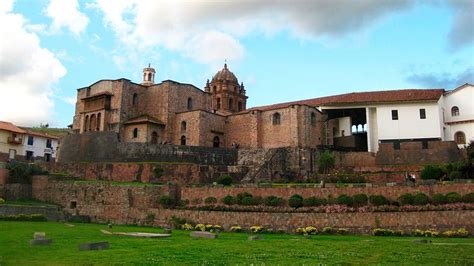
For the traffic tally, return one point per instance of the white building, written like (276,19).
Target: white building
(39,145)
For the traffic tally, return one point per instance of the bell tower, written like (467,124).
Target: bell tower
(227,96)
(148,76)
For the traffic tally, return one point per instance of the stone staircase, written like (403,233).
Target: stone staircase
(256,161)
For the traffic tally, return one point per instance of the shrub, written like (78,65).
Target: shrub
(455,175)
(383,232)
(200,227)
(439,199)
(343,199)
(187,227)
(468,198)
(398,233)
(431,233)
(453,197)
(432,172)
(295,201)
(273,201)
(328,230)
(228,200)
(249,201)
(326,162)
(167,201)
(21,172)
(417,232)
(241,196)
(313,201)
(406,199)
(2,201)
(461,232)
(378,200)
(310,230)
(342,231)
(360,199)
(210,200)
(256,229)
(158,172)
(420,199)
(236,228)
(225,180)
(24,217)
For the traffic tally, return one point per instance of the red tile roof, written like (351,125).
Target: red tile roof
(370,97)
(7,126)
(40,134)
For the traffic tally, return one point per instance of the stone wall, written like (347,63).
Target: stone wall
(389,192)
(105,147)
(413,153)
(52,213)
(15,191)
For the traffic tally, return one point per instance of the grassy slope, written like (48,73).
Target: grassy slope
(57,132)
(230,248)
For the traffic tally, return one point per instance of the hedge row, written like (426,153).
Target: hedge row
(461,232)
(24,217)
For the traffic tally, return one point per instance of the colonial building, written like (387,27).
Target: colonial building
(182,114)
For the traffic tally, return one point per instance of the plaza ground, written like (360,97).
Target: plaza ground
(229,248)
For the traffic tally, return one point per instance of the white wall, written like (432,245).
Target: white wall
(409,125)
(463,98)
(345,123)
(39,146)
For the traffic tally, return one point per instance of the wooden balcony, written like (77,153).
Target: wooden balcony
(15,140)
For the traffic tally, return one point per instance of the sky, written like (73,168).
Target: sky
(282,50)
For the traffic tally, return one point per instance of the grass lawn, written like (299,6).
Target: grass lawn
(229,248)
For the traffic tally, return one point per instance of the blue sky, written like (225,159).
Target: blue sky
(281,50)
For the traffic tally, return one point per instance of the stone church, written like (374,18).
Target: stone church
(217,116)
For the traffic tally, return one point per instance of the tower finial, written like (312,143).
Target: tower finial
(148,64)
(225,63)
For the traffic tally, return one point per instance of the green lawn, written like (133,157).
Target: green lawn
(229,248)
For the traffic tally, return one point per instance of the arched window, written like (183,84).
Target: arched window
(354,129)
(313,119)
(98,121)
(86,123)
(190,103)
(360,128)
(455,111)
(135,99)
(183,126)
(276,119)
(239,106)
(135,133)
(183,140)
(365,127)
(154,137)
(93,123)
(149,76)
(231,104)
(460,138)
(218,103)
(216,142)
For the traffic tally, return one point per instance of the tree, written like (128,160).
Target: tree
(326,162)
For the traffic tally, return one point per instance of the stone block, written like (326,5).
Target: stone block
(94,246)
(253,238)
(199,234)
(39,235)
(41,242)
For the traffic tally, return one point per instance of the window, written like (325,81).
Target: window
(276,119)
(135,99)
(135,133)
(98,121)
(86,123)
(313,119)
(47,157)
(29,155)
(183,140)
(239,106)
(190,103)
(394,114)
(49,143)
(460,138)
(455,111)
(183,126)
(422,113)
(231,104)
(93,123)
(154,137)
(216,142)
(30,140)
(218,103)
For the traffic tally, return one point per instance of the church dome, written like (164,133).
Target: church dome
(225,75)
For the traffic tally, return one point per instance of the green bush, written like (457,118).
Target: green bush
(328,230)
(21,172)
(455,175)
(453,197)
(295,201)
(378,200)
(326,162)
(273,201)
(421,199)
(241,196)
(360,199)
(432,172)
(225,180)
(2,201)
(158,172)
(313,201)
(406,199)
(167,201)
(343,199)
(228,200)
(210,200)
(468,198)
(383,232)
(439,199)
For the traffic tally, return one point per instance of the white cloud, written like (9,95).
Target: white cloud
(27,72)
(462,31)
(208,31)
(65,13)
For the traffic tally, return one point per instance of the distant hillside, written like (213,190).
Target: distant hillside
(57,132)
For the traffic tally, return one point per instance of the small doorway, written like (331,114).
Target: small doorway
(183,140)
(154,137)
(47,157)
(216,142)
